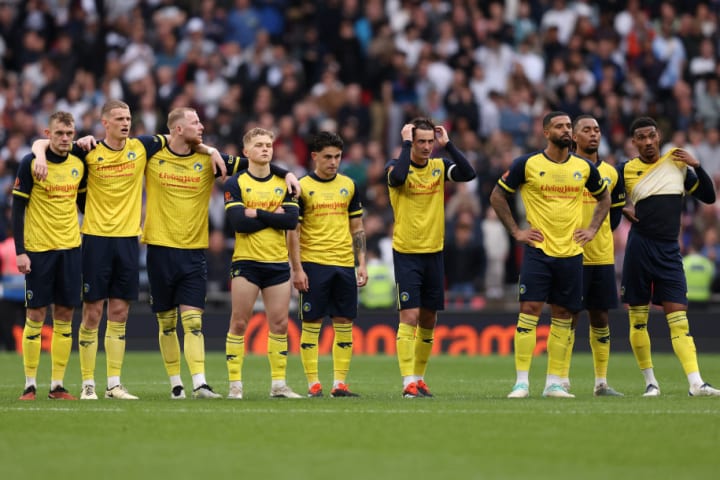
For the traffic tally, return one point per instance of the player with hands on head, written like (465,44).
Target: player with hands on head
(416,182)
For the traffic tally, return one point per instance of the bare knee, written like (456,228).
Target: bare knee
(118,310)
(92,314)
(238,323)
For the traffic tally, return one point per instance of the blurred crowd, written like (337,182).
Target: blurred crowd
(487,70)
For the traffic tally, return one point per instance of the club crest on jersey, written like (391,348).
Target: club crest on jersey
(279,191)
(198,166)
(74,172)
(436,172)
(344,192)
(131,155)
(577,176)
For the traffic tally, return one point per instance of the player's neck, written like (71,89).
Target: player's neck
(593,157)
(556,154)
(59,154)
(115,143)
(179,146)
(258,170)
(419,161)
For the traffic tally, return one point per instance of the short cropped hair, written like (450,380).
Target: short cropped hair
(176,115)
(111,105)
(548,118)
(642,122)
(62,117)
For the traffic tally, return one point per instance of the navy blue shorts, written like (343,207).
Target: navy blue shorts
(177,277)
(556,281)
(55,278)
(420,279)
(333,292)
(111,268)
(599,287)
(652,271)
(260,273)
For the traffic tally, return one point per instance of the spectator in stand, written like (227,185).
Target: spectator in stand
(464,258)
(497,246)
(708,152)
(243,22)
(700,273)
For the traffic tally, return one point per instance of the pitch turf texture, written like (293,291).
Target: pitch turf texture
(469,430)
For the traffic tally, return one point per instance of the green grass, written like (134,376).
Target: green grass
(469,430)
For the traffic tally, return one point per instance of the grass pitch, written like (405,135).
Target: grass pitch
(469,430)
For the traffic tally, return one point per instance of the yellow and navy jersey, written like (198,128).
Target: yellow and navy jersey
(326,207)
(656,190)
(178,189)
(601,251)
(267,245)
(419,207)
(114,187)
(553,197)
(51,216)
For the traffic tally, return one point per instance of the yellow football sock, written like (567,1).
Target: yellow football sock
(423,349)
(31,344)
(114,347)
(87,346)
(342,350)
(168,339)
(524,341)
(309,350)
(194,341)
(406,349)
(639,336)
(557,345)
(60,348)
(682,342)
(600,346)
(235,353)
(277,349)
(568,355)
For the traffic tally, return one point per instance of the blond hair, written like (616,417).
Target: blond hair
(178,114)
(111,105)
(256,132)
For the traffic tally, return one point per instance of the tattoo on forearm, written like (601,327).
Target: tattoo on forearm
(359,243)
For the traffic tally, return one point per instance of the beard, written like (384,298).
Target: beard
(194,141)
(561,142)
